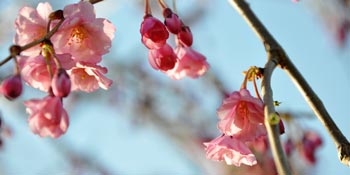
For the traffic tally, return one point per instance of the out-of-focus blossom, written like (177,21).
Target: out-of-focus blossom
(153,32)
(31,24)
(89,77)
(83,35)
(163,58)
(172,21)
(11,87)
(61,84)
(311,141)
(35,73)
(191,64)
(242,115)
(47,116)
(230,150)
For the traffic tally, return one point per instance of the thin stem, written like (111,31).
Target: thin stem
(256,89)
(174,6)
(275,51)
(162,4)
(147,8)
(8,58)
(273,129)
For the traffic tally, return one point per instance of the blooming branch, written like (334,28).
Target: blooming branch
(277,55)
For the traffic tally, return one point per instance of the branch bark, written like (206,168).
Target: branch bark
(277,54)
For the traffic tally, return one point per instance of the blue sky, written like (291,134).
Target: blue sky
(230,47)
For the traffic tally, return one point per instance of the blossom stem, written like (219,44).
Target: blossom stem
(277,54)
(256,89)
(148,10)
(174,6)
(162,4)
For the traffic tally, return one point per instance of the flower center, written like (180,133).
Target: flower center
(78,35)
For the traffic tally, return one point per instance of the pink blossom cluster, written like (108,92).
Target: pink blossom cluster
(184,61)
(67,61)
(241,122)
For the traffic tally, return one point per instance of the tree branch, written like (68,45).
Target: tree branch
(276,52)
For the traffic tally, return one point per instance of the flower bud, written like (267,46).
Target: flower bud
(185,36)
(162,59)
(172,21)
(61,84)
(153,32)
(11,87)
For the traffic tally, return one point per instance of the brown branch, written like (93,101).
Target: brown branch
(95,1)
(276,52)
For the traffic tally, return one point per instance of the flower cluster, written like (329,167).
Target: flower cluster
(184,61)
(66,60)
(241,122)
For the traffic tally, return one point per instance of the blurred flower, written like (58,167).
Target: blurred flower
(310,142)
(191,64)
(231,150)
(242,116)
(47,116)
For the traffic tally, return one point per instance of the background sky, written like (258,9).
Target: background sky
(109,137)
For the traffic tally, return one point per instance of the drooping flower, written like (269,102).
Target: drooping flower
(191,64)
(153,32)
(11,87)
(89,77)
(47,117)
(61,84)
(35,73)
(172,21)
(231,150)
(83,35)
(31,24)
(242,115)
(163,58)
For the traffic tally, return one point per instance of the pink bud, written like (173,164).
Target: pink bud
(162,59)
(61,84)
(172,21)
(154,33)
(281,126)
(185,36)
(11,87)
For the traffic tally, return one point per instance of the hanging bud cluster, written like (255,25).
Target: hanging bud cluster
(184,61)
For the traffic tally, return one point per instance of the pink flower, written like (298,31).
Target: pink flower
(83,35)
(242,116)
(163,58)
(191,64)
(153,32)
(30,25)
(172,21)
(47,116)
(11,87)
(185,36)
(35,73)
(61,84)
(231,150)
(88,77)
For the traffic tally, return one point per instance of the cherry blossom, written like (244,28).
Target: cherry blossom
(61,84)
(47,117)
(185,36)
(231,150)
(191,64)
(83,35)
(89,77)
(35,73)
(31,24)
(172,21)
(242,116)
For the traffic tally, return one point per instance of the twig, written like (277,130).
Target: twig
(276,52)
